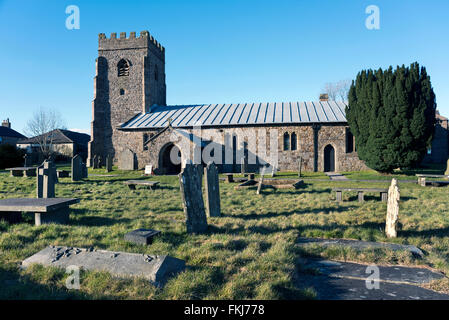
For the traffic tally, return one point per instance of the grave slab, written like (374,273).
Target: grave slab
(360,245)
(157,269)
(141,236)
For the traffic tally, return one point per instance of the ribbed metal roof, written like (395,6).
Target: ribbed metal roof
(240,114)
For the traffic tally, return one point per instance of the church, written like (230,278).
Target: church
(130,113)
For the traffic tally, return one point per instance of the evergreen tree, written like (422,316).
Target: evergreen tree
(392,116)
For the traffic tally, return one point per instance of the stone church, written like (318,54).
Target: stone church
(130,113)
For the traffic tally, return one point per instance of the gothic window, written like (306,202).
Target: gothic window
(286,141)
(294,140)
(349,141)
(123,68)
(145,139)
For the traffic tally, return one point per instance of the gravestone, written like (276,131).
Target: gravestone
(392,209)
(149,169)
(126,160)
(84,170)
(300,167)
(77,168)
(212,190)
(273,171)
(192,199)
(244,166)
(46,179)
(447,168)
(141,236)
(27,160)
(108,163)
(157,269)
(100,162)
(259,187)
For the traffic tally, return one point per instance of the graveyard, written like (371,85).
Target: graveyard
(250,249)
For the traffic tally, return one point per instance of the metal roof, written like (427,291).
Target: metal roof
(241,114)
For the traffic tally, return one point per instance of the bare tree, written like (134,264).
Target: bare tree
(41,127)
(337,90)
(343,87)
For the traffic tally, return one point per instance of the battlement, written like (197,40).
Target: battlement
(145,40)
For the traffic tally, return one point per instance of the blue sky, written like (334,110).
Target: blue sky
(216,51)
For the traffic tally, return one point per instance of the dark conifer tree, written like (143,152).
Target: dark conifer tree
(392,116)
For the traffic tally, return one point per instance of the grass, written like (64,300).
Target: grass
(248,253)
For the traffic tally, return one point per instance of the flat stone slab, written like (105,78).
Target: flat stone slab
(336,176)
(334,280)
(35,204)
(157,269)
(141,236)
(103,175)
(360,245)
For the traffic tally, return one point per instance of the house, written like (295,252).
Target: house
(8,135)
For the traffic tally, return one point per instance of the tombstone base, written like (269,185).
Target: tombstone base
(60,216)
(141,236)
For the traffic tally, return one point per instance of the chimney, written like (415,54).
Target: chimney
(6,123)
(324,97)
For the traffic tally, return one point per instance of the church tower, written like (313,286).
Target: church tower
(130,78)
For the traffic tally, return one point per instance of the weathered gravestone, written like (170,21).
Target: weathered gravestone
(108,163)
(273,171)
(126,160)
(100,162)
(84,170)
(244,166)
(300,167)
(392,209)
(156,269)
(46,179)
(192,199)
(77,168)
(212,190)
(149,169)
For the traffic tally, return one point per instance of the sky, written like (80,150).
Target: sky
(232,51)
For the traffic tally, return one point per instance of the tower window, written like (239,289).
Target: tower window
(145,139)
(123,68)
(286,141)
(122,92)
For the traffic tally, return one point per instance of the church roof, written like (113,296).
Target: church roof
(242,114)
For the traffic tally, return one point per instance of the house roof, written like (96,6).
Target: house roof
(61,136)
(8,132)
(239,114)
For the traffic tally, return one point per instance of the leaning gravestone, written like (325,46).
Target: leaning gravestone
(46,179)
(77,168)
(126,160)
(392,209)
(192,199)
(155,268)
(108,163)
(212,190)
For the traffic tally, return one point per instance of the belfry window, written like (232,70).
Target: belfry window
(286,141)
(349,141)
(123,68)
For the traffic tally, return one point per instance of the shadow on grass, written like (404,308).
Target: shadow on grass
(253,216)
(440,233)
(78,219)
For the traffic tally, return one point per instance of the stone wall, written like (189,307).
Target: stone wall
(287,160)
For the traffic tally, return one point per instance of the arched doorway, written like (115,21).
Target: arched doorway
(329,158)
(170,159)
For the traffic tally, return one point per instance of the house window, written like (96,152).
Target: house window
(349,141)
(123,68)
(294,139)
(286,141)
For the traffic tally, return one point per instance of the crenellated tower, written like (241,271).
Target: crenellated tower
(130,78)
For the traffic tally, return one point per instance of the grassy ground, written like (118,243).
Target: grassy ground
(248,253)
